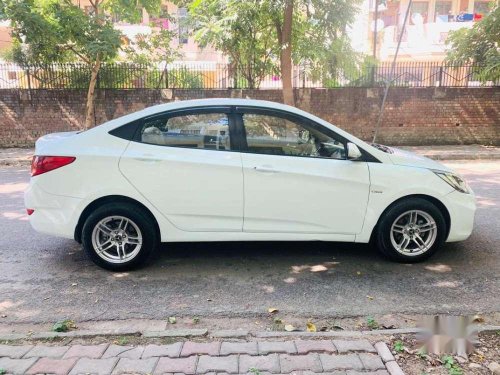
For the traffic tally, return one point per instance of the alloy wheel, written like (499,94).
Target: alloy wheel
(413,233)
(116,239)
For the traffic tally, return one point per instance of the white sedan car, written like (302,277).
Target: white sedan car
(238,170)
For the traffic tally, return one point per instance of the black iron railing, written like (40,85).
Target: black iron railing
(225,76)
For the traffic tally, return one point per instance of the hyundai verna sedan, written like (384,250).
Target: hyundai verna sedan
(238,170)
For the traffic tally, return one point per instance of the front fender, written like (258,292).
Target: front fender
(390,183)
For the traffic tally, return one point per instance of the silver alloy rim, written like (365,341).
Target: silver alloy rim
(413,233)
(116,239)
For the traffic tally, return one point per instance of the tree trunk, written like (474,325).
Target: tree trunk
(286,54)
(90,108)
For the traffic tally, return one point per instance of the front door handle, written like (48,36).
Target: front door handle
(265,169)
(148,160)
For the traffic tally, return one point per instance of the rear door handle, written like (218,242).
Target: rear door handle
(265,169)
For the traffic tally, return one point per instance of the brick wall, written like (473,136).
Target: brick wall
(416,116)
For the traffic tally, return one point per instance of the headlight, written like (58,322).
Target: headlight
(455,181)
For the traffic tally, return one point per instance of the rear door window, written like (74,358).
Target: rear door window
(195,130)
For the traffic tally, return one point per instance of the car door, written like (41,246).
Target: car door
(187,164)
(297,178)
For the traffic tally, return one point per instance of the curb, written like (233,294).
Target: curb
(468,157)
(234,334)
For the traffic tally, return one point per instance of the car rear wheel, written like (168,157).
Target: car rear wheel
(411,230)
(119,236)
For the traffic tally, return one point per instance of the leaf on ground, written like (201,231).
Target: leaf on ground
(172,319)
(290,328)
(272,310)
(63,325)
(311,327)
(478,319)
(318,268)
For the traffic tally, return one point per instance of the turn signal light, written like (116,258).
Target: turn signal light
(42,164)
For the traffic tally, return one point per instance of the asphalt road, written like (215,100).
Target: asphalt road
(43,279)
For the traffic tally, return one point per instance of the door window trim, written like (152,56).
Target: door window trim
(295,118)
(226,110)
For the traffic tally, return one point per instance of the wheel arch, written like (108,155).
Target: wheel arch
(440,205)
(110,199)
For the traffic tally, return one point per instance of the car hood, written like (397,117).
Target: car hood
(410,159)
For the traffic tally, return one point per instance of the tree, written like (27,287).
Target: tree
(46,31)
(242,31)
(479,45)
(284,27)
(281,32)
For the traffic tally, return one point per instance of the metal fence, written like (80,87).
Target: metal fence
(223,76)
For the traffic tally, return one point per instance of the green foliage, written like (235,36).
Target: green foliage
(421,352)
(46,31)
(122,341)
(247,31)
(254,371)
(54,31)
(152,48)
(479,45)
(63,325)
(131,11)
(371,322)
(399,346)
(450,364)
(240,29)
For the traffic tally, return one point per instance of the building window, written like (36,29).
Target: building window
(419,12)
(483,7)
(182,22)
(442,11)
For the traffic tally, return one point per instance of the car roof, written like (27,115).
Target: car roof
(195,103)
(181,104)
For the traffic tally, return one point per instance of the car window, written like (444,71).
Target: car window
(279,136)
(199,130)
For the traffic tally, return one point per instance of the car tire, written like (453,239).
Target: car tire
(125,234)
(411,231)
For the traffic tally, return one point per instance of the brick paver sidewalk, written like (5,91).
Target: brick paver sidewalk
(301,357)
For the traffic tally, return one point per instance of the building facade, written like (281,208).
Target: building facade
(429,24)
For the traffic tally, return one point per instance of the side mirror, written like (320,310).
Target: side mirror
(353,152)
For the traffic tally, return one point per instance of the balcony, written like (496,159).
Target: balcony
(420,42)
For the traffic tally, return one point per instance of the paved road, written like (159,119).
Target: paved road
(37,272)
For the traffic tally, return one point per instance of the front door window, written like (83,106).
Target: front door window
(267,134)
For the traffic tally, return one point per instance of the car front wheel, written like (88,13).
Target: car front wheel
(411,230)
(119,236)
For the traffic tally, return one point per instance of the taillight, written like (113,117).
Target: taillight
(30,211)
(42,164)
